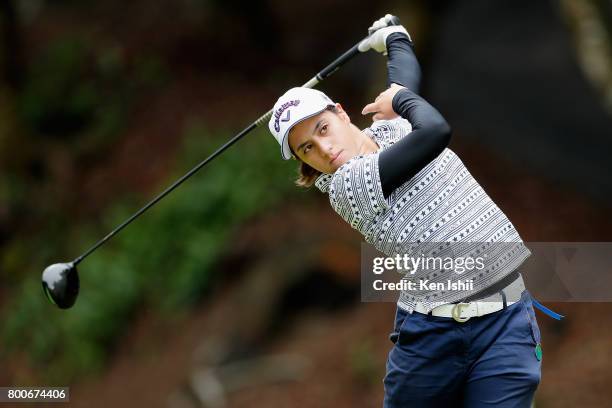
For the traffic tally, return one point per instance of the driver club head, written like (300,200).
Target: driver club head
(61,284)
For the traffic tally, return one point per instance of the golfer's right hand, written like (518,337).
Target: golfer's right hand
(382,107)
(378,39)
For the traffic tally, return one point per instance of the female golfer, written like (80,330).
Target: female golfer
(398,184)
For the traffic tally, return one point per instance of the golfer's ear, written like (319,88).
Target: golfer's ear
(342,113)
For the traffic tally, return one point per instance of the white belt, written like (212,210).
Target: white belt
(462,311)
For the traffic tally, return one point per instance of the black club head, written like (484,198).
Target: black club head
(61,284)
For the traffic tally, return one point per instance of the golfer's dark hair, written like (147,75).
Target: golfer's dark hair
(306,174)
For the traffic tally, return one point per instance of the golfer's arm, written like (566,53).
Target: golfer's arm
(402,65)
(429,137)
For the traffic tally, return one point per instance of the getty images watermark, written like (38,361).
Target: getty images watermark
(410,265)
(552,271)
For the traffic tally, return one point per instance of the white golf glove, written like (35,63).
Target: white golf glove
(378,40)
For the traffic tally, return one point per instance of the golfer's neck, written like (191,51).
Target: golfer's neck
(368,145)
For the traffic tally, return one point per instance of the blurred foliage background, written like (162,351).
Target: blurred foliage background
(102,104)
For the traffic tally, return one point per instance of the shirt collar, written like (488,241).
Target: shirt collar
(323,181)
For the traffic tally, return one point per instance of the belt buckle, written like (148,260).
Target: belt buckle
(456,312)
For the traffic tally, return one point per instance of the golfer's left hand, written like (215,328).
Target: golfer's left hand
(380,30)
(382,107)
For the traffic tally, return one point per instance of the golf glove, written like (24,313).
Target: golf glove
(380,31)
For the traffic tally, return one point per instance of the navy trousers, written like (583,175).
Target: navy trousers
(488,361)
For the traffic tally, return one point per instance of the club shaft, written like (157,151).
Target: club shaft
(324,73)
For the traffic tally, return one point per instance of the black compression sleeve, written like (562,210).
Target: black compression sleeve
(429,137)
(402,65)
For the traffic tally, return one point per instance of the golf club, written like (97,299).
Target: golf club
(60,281)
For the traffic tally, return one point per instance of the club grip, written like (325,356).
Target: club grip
(391,21)
(333,67)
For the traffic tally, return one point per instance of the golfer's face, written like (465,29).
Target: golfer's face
(325,141)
